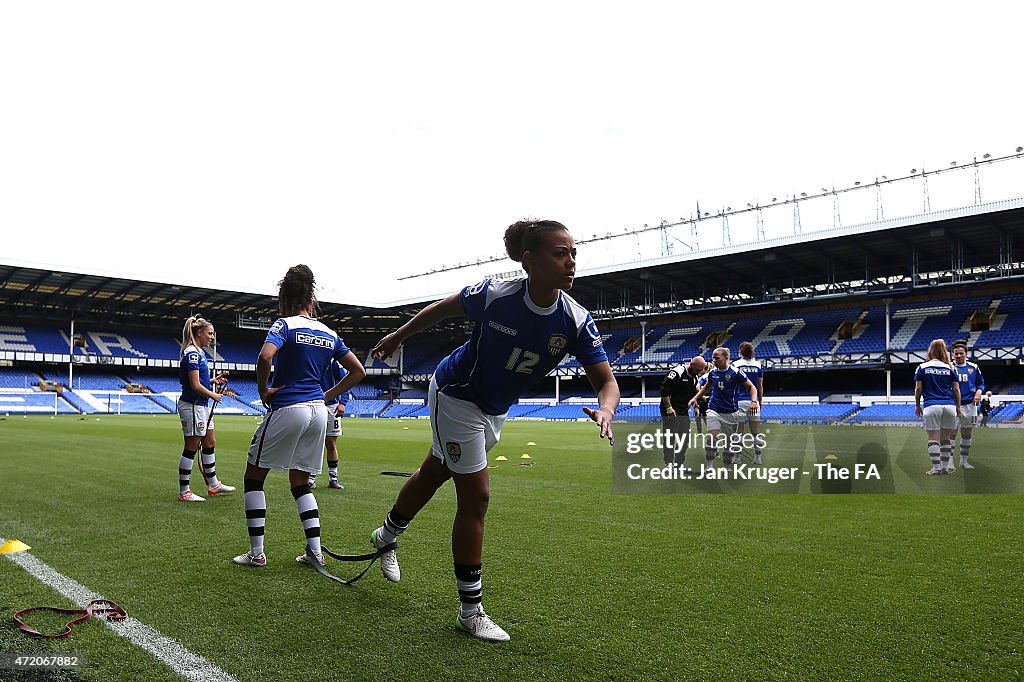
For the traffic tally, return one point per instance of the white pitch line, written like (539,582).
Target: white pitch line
(182,661)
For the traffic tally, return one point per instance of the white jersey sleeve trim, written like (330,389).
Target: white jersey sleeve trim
(579,313)
(500,289)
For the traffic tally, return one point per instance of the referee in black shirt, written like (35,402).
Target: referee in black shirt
(679,386)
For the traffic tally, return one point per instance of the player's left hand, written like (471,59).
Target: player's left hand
(604,419)
(754,407)
(268,394)
(340,410)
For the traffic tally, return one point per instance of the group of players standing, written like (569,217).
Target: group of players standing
(726,397)
(523,329)
(951,390)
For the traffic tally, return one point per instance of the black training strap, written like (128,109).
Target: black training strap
(369,556)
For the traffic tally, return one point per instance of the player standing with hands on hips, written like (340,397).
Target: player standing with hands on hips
(291,435)
(523,330)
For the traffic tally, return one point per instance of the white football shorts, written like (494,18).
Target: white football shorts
(333,422)
(743,414)
(291,437)
(970,416)
(463,434)
(939,417)
(195,419)
(724,422)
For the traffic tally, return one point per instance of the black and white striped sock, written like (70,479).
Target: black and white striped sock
(188,459)
(309,514)
(933,452)
(946,452)
(394,525)
(332,469)
(471,588)
(965,448)
(709,456)
(255,514)
(210,467)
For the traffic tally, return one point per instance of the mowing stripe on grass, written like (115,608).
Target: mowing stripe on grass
(182,661)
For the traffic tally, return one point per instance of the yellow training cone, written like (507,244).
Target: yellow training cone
(831,456)
(12,546)
(524,456)
(501,458)
(531,443)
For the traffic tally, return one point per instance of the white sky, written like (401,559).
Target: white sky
(221,142)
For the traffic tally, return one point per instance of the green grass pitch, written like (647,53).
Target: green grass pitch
(590,584)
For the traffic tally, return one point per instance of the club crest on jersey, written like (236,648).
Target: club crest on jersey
(454,451)
(557,344)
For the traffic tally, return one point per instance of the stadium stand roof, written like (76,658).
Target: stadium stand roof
(896,255)
(951,247)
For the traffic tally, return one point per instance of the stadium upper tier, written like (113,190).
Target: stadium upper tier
(793,333)
(844,331)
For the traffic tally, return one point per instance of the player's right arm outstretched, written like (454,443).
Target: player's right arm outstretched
(603,382)
(424,319)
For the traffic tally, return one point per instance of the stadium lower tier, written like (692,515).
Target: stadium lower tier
(82,401)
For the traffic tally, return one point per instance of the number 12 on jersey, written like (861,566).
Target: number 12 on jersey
(525,365)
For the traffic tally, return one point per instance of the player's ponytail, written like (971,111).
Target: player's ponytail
(525,236)
(193,325)
(297,292)
(747,350)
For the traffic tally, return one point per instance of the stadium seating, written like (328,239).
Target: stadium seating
(365,392)
(521,410)
(1007,413)
(885,413)
(32,402)
(18,378)
(826,413)
(397,410)
(645,412)
(562,411)
(365,408)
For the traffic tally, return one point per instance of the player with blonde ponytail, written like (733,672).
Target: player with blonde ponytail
(195,411)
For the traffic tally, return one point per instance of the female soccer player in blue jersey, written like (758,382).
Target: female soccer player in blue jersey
(194,409)
(938,386)
(723,408)
(523,330)
(291,435)
(972,386)
(752,370)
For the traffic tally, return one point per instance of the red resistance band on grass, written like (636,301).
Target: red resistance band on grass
(97,607)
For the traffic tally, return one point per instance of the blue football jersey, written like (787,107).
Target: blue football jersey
(514,344)
(193,358)
(937,379)
(971,381)
(752,370)
(335,373)
(725,385)
(307,348)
